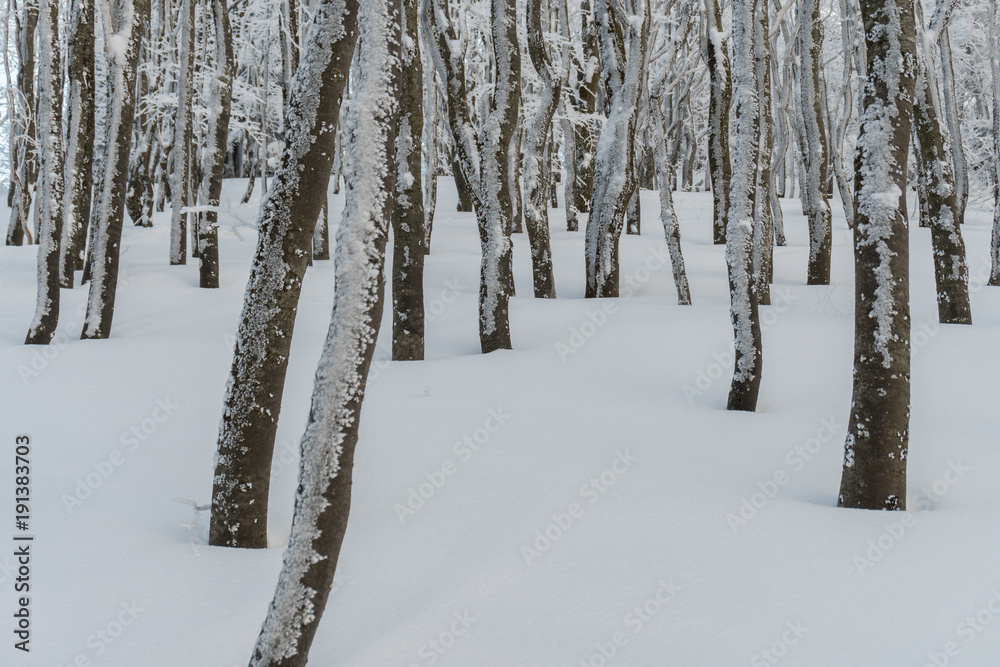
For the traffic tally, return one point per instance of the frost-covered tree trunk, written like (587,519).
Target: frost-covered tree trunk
(23,164)
(122,40)
(745,158)
(961,165)
(584,103)
(671,229)
(536,201)
(323,497)
(429,134)
(408,212)
(874,475)
(814,147)
(78,177)
(483,160)
(219,105)
(763,239)
(720,97)
(614,178)
(181,186)
(286,223)
(50,176)
(951,271)
(995,71)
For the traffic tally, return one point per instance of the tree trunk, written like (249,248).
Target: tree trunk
(536,212)
(940,205)
(286,223)
(79,175)
(429,134)
(814,146)
(323,496)
(874,475)
(720,96)
(584,102)
(220,104)
(740,221)
(614,179)
(763,238)
(126,21)
(671,230)
(181,187)
(50,176)
(408,212)
(24,167)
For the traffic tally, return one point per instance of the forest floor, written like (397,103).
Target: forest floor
(584,499)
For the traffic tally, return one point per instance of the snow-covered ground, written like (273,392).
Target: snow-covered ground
(582,500)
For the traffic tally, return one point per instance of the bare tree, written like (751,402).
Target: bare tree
(286,223)
(50,176)
(874,475)
(323,497)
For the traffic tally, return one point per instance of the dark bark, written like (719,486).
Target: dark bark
(24,165)
(408,212)
(874,475)
(287,221)
(720,96)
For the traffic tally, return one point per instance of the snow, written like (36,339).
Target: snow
(862,588)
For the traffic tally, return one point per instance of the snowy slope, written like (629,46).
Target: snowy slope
(584,499)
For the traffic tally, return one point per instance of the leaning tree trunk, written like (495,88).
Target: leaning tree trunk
(671,229)
(79,175)
(286,222)
(50,176)
(614,179)
(536,204)
(429,133)
(874,475)
(954,124)
(720,96)
(742,208)
(24,167)
(951,272)
(110,211)
(814,143)
(181,186)
(408,212)
(323,497)
(220,104)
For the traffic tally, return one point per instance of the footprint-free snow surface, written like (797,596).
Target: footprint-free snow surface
(581,500)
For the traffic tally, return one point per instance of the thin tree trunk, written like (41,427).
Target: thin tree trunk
(720,96)
(79,175)
(126,23)
(429,133)
(951,272)
(220,104)
(536,212)
(408,212)
(671,229)
(181,189)
(323,496)
(286,224)
(24,166)
(763,239)
(50,176)
(874,475)
(614,179)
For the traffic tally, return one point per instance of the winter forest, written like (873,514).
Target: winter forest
(688,316)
